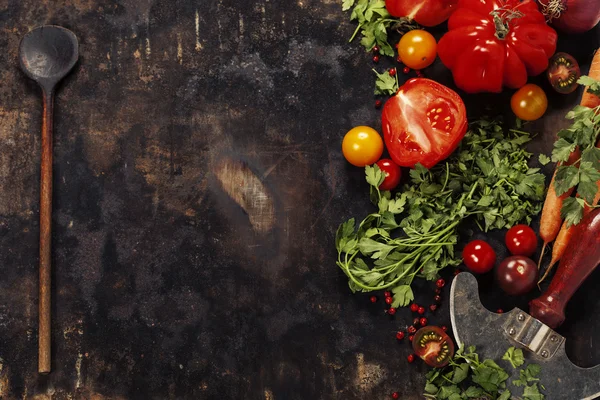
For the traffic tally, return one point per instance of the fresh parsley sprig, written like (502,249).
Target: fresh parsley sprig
(374,23)
(583,134)
(386,83)
(414,233)
(466,377)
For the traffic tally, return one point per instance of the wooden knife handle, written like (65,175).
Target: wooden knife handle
(581,257)
(45,300)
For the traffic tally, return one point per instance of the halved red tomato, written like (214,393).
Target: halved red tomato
(433,346)
(423,123)
(424,12)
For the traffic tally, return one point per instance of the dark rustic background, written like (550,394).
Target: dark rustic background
(198,184)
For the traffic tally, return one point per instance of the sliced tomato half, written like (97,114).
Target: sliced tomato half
(424,12)
(423,123)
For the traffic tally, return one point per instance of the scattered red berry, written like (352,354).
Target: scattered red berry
(421,310)
(406,70)
(378,103)
(500,311)
(416,321)
(414,307)
(395,395)
(410,338)
(387,293)
(444,328)
(433,307)
(375,58)
(437,298)
(410,358)
(389,300)
(375,49)
(412,330)
(438,291)
(456,272)
(423,321)
(400,335)
(440,283)
(373,299)
(392,310)
(392,71)
(419,73)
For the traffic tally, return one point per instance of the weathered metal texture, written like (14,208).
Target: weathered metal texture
(198,185)
(492,333)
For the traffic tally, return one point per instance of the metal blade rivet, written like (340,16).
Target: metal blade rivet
(512,331)
(544,353)
(521,317)
(553,338)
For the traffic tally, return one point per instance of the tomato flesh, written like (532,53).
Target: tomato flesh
(423,123)
(424,12)
(563,73)
(479,256)
(521,240)
(517,275)
(392,173)
(433,346)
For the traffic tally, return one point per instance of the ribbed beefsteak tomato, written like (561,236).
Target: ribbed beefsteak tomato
(423,123)
(491,43)
(424,12)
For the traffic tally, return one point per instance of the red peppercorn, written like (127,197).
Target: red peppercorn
(444,328)
(378,103)
(375,49)
(440,283)
(414,307)
(389,300)
(395,395)
(406,70)
(421,310)
(423,321)
(410,338)
(410,358)
(375,58)
(387,293)
(456,272)
(416,321)
(433,307)
(373,299)
(437,298)
(438,291)
(419,73)
(400,335)
(500,311)
(412,330)
(392,71)
(392,310)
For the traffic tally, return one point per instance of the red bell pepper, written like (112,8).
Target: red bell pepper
(491,43)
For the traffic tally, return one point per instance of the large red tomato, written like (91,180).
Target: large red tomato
(491,43)
(424,12)
(423,123)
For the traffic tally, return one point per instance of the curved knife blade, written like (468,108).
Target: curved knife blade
(474,325)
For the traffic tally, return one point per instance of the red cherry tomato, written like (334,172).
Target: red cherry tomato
(517,275)
(392,173)
(423,123)
(479,256)
(433,345)
(521,240)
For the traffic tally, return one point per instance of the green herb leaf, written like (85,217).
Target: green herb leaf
(544,159)
(572,210)
(403,295)
(593,86)
(562,150)
(385,83)
(374,175)
(514,356)
(460,373)
(347,4)
(505,395)
(532,393)
(567,176)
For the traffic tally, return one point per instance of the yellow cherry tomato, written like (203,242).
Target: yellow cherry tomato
(362,146)
(529,103)
(417,49)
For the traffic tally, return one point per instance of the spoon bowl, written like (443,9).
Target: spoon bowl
(48,53)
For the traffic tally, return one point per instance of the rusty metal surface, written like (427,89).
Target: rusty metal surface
(198,184)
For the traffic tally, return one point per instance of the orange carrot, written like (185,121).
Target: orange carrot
(588,99)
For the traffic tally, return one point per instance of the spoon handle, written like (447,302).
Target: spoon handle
(44,356)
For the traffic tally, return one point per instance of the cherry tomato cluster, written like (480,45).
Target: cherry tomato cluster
(516,274)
